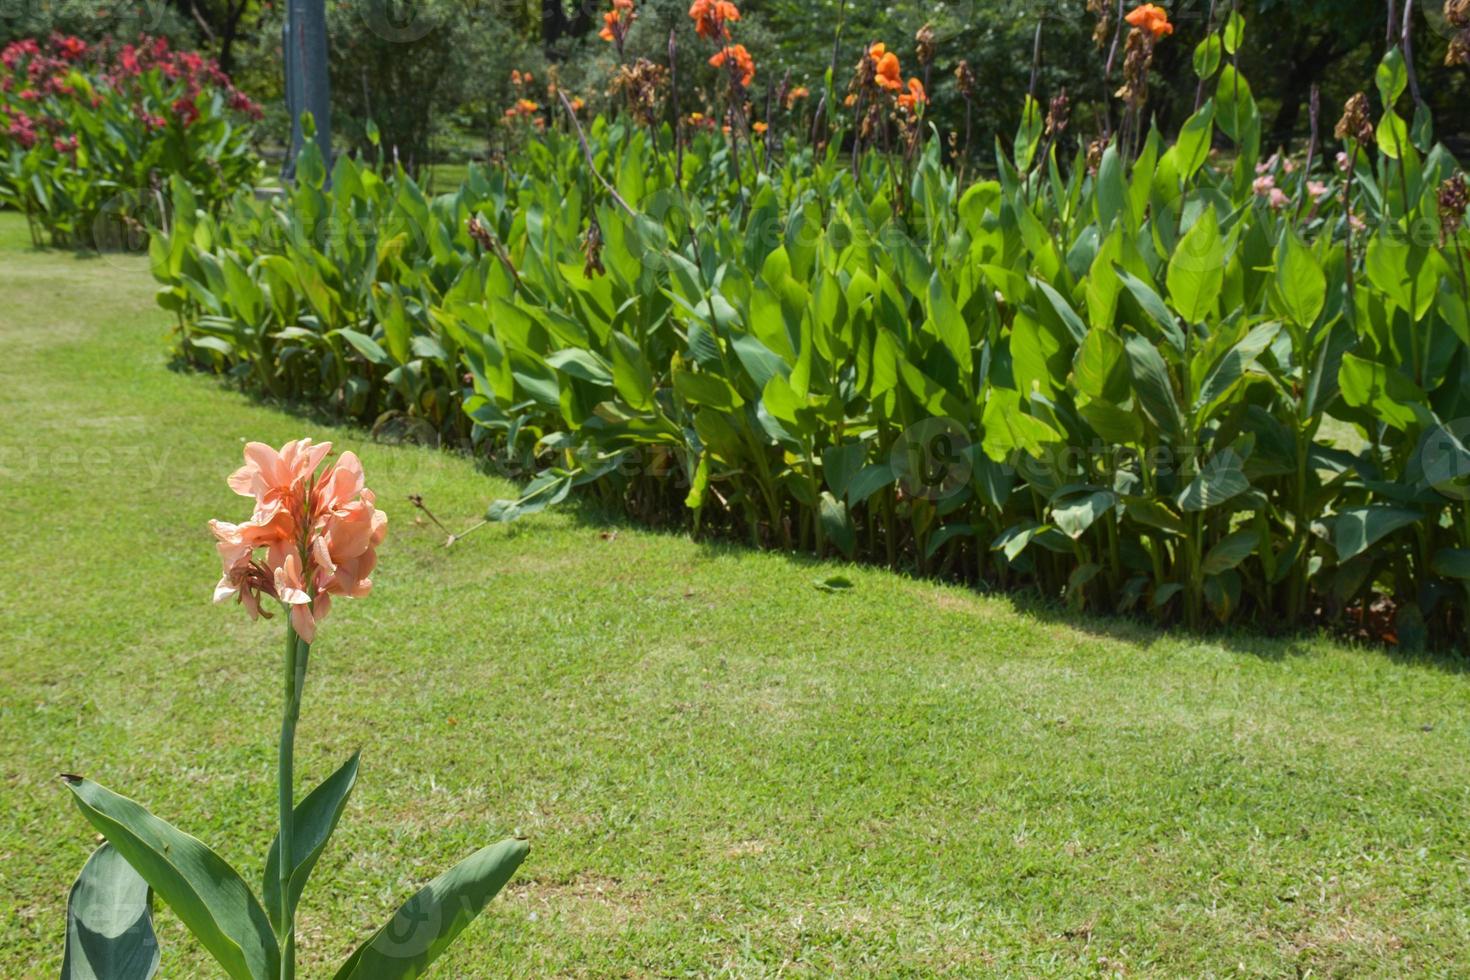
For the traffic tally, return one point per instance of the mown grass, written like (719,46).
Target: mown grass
(721,768)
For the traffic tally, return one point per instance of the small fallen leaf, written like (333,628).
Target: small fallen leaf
(834,583)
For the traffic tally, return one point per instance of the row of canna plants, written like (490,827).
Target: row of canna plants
(1143,380)
(88,134)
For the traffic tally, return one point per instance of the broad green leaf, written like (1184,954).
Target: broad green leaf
(1236,362)
(631,375)
(1393,136)
(1207,56)
(364,345)
(1197,269)
(1235,106)
(1153,385)
(1301,285)
(205,893)
(1112,190)
(1219,481)
(1357,529)
(706,389)
(1074,515)
(1392,398)
(313,821)
(1453,563)
(1230,551)
(425,925)
(837,524)
(1233,32)
(1392,76)
(109,922)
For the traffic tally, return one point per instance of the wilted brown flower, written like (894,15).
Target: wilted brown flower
(481,234)
(965,80)
(1095,151)
(1059,116)
(1102,10)
(924,46)
(1138,56)
(640,84)
(1454,201)
(592,250)
(1357,120)
(1457,13)
(1459,52)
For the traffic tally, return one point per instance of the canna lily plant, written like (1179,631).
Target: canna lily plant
(312,537)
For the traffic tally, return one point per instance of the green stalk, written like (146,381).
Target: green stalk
(295,676)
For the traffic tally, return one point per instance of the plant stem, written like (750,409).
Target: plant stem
(295,675)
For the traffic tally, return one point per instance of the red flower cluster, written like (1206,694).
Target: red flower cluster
(22,130)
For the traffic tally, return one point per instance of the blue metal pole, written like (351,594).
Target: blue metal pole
(304,44)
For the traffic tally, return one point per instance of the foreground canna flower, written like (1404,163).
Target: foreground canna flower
(886,70)
(313,535)
(1152,18)
(915,98)
(740,63)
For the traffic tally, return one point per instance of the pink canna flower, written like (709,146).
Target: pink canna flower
(313,535)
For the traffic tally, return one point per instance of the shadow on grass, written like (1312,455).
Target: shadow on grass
(1133,630)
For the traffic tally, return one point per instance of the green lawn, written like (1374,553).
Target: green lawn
(722,769)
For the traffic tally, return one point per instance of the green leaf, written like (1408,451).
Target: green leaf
(1452,563)
(1100,368)
(706,389)
(364,345)
(425,925)
(841,465)
(1219,481)
(1233,366)
(1235,106)
(834,583)
(1301,284)
(1112,191)
(206,894)
(1392,76)
(1078,513)
(1230,551)
(837,524)
(1207,56)
(631,375)
(1392,398)
(1392,135)
(1197,269)
(1152,383)
(581,364)
(109,922)
(1233,32)
(1357,529)
(313,821)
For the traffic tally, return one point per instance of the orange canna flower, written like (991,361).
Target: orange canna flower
(1151,18)
(796,95)
(740,61)
(759,127)
(617,21)
(888,73)
(319,532)
(915,98)
(712,17)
